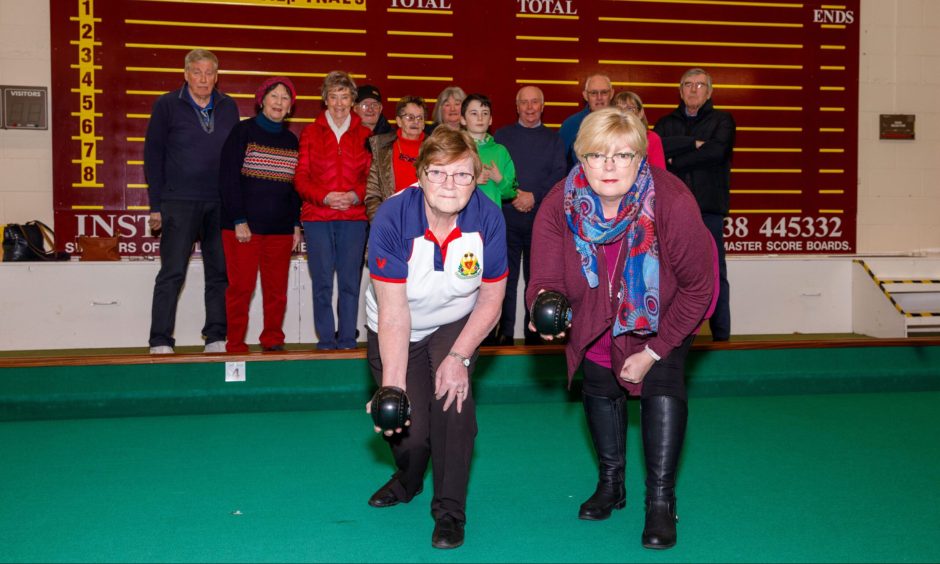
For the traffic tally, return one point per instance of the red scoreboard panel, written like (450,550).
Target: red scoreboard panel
(787,71)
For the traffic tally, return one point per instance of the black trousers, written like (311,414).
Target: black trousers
(445,438)
(665,378)
(720,321)
(184,223)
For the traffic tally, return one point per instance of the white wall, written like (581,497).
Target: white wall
(25,156)
(898,191)
(108,303)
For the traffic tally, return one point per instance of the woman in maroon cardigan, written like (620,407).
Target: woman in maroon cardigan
(626,244)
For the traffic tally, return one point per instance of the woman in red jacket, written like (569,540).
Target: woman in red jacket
(331,180)
(625,243)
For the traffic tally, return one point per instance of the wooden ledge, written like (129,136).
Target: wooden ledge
(360,353)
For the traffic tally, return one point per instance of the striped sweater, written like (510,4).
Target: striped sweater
(257,179)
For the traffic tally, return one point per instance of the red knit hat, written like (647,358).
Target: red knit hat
(262,90)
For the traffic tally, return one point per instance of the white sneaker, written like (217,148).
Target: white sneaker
(215,347)
(162,349)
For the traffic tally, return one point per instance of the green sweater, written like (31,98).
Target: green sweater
(492,152)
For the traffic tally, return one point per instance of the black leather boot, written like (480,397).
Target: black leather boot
(664,420)
(607,422)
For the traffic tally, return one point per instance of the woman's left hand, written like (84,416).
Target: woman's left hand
(636,366)
(297,238)
(242,233)
(452,380)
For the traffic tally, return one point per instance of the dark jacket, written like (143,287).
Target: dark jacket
(382,126)
(538,154)
(706,171)
(181,157)
(686,278)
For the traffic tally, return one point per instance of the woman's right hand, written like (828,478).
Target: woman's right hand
(544,336)
(390,432)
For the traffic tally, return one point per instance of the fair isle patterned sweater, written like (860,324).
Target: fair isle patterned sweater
(257,178)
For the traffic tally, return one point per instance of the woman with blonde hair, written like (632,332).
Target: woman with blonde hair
(625,243)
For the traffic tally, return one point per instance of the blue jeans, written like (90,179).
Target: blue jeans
(335,247)
(184,223)
(720,322)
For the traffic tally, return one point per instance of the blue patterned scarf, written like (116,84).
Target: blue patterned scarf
(638,289)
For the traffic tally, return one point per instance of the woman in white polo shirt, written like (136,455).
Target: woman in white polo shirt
(437,260)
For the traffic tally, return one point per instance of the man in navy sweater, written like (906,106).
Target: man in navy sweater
(539,156)
(182,150)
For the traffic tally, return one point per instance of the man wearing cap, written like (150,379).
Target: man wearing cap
(369,109)
(260,214)
(182,150)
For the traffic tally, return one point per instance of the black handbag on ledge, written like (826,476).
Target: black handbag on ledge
(27,242)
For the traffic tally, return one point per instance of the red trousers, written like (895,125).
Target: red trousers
(271,255)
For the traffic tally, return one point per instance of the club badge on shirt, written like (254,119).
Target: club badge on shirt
(469,266)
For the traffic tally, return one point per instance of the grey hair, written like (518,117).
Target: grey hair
(338,80)
(610,85)
(197,55)
(536,88)
(454,92)
(695,72)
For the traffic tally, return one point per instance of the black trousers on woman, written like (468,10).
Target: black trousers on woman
(445,438)
(665,378)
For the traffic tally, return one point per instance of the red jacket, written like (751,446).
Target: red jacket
(327,166)
(686,277)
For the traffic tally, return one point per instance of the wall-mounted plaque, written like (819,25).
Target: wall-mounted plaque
(25,107)
(896,126)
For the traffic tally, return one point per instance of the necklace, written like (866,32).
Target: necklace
(403,156)
(612,270)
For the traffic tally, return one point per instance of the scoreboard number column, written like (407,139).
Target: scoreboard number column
(88,142)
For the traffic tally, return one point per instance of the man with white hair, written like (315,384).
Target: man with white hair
(598,92)
(182,151)
(539,156)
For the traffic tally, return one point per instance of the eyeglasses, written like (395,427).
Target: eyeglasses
(439,177)
(370,106)
(633,109)
(597,160)
(410,117)
(597,93)
(688,85)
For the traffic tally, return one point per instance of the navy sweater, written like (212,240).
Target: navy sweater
(257,178)
(539,156)
(181,157)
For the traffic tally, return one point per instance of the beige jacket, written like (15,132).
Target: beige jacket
(381,182)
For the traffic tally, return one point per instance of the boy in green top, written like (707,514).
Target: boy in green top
(498,178)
